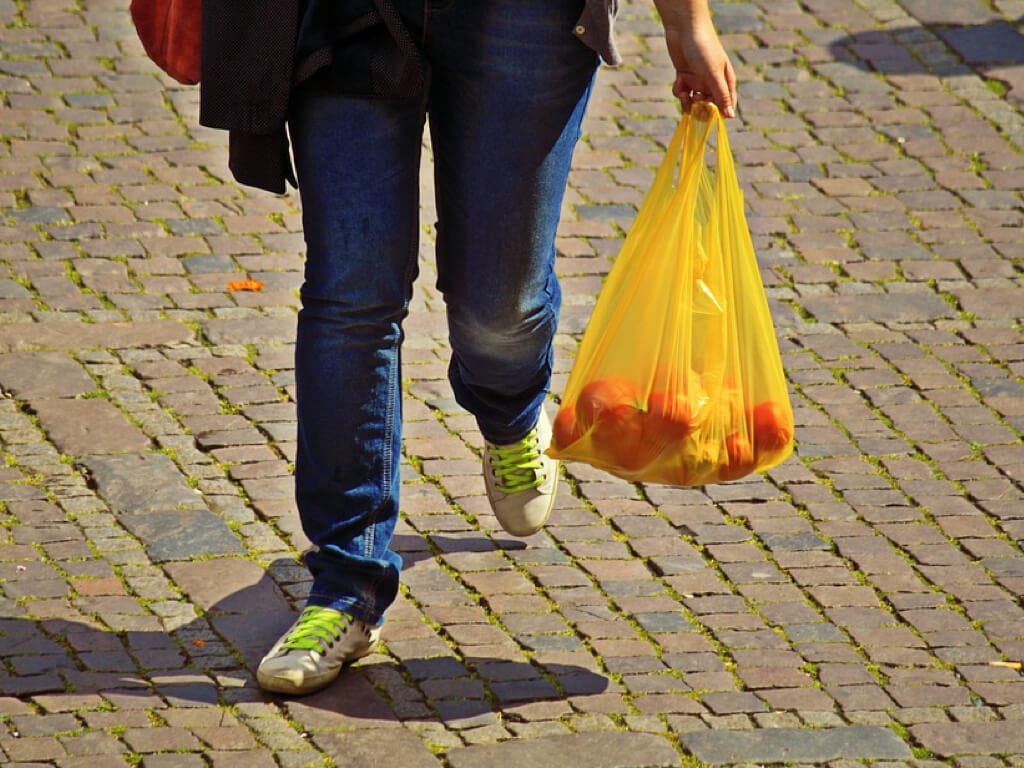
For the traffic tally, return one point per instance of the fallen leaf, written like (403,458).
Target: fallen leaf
(249,284)
(198,643)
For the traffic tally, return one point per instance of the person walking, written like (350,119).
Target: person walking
(503,86)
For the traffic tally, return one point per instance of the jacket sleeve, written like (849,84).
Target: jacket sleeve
(261,160)
(248,53)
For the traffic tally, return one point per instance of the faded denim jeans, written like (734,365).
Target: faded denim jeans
(507,87)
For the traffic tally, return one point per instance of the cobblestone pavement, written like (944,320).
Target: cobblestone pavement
(858,604)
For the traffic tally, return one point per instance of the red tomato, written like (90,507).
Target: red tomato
(566,430)
(618,437)
(671,416)
(741,458)
(772,426)
(602,395)
(608,410)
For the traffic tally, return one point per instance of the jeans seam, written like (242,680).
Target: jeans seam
(390,412)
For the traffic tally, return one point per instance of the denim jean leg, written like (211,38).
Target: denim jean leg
(510,84)
(360,221)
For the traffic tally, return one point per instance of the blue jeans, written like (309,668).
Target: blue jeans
(507,87)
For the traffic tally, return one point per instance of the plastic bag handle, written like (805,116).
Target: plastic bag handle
(665,191)
(684,143)
(697,125)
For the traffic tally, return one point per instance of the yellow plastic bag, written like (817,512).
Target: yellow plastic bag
(678,378)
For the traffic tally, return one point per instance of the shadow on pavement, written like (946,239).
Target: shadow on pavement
(416,548)
(455,689)
(211,659)
(994,48)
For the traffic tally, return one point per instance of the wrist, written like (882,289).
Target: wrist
(684,15)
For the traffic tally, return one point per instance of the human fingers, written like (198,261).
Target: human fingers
(690,88)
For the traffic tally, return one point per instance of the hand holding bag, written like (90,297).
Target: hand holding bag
(171,34)
(678,378)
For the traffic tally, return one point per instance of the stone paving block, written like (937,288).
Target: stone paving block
(25,752)
(94,744)
(968,738)
(581,750)
(999,303)
(160,739)
(250,330)
(141,483)
(244,604)
(368,749)
(878,308)
(181,534)
(351,703)
(786,745)
(43,376)
(189,690)
(996,42)
(853,586)
(967,12)
(72,335)
(245,759)
(79,427)
(173,760)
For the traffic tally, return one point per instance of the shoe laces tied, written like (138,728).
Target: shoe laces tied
(317,628)
(517,467)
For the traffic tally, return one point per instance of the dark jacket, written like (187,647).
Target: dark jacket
(248,73)
(248,70)
(248,53)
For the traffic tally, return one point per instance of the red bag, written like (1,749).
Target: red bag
(171,34)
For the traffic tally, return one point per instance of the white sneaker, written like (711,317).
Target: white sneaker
(521,480)
(312,652)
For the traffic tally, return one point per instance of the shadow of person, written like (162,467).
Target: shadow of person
(415,548)
(464,691)
(210,658)
(994,48)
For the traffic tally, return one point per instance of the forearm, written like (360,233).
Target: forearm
(683,14)
(702,67)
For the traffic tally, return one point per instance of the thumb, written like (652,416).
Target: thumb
(679,87)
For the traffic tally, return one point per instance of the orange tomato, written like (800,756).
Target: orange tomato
(566,430)
(601,396)
(741,458)
(772,426)
(618,436)
(671,416)
(608,410)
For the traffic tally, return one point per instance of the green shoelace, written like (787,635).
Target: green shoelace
(317,628)
(517,466)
